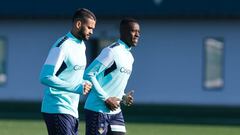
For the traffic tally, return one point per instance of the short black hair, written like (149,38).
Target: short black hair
(125,22)
(83,14)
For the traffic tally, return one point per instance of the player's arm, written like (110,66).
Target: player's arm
(48,73)
(99,65)
(94,69)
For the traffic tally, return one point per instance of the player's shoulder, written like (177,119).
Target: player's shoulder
(110,49)
(114,45)
(107,51)
(60,42)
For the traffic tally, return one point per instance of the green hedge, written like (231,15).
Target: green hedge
(139,113)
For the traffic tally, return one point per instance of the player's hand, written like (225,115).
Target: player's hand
(112,103)
(128,98)
(86,87)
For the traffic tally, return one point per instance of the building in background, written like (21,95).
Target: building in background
(188,51)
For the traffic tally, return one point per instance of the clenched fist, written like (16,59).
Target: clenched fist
(128,98)
(112,103)
(86,87)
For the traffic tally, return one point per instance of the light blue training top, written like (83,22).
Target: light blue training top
(109,74)
(62,73)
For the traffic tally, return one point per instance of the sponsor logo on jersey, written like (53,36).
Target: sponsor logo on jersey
(77,67)
(125,70)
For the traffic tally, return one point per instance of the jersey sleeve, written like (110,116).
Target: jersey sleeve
(106,57)
(96,67)
(51,66)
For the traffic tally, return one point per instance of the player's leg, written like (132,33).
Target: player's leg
(117,124)
(61,124)
(115,133)
(96,123)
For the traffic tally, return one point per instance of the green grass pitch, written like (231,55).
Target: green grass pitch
(37,127)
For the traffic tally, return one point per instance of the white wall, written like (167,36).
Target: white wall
(28,42)
(168,60)
(170,57)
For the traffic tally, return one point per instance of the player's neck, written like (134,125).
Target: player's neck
(125,42)
(76,35)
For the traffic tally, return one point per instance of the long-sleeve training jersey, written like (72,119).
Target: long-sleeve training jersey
(109,74)
(62,73)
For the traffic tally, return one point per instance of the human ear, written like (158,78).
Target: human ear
(78,24)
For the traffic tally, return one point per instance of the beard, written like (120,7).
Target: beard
(82,35)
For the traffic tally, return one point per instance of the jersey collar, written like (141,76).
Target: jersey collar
(70,35)
(125,45)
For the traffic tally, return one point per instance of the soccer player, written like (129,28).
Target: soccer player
(109,74)
(63,72)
